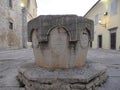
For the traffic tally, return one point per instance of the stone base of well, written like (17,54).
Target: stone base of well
(87,78)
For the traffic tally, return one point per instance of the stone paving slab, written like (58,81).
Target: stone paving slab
(114,72)
(17,54)
(11,88)
(113,83)
(10,61)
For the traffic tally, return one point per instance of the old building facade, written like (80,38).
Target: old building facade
(106,16)
(12,24)
(29,11)
(31,7)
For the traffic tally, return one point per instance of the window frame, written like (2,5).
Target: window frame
(96,19)
(11,25)
(10,3)
(114,7)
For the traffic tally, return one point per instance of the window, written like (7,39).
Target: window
(28,4)
(10,3)
(96,19)
(91,44)
(10,25)
(113,8)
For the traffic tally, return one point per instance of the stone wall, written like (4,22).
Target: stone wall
(10,38)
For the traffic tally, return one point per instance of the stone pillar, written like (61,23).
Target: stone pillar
(24,27)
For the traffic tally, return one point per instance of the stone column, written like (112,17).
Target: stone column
(24,27)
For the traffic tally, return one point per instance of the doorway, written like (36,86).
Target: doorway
(91,44)
(113,40)
(99,41)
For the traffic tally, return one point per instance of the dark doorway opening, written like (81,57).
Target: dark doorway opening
(113,40)
(99,41)
(91,44)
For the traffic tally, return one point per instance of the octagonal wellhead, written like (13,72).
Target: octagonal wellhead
(60,41)
(60,44)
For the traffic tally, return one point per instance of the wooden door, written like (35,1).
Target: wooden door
(113,40)
(99,41)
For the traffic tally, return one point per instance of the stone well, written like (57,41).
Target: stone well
(60,41)
(60,44)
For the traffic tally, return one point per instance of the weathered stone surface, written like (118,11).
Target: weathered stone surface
(10,61)
(10,39)
(97,81)
(103,78)
(60,46)
(60,41)
(90,85)
(72,23)
(77,86)
(11,88)
(69,79)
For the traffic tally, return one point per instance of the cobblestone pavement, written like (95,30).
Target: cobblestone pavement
(10,61)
